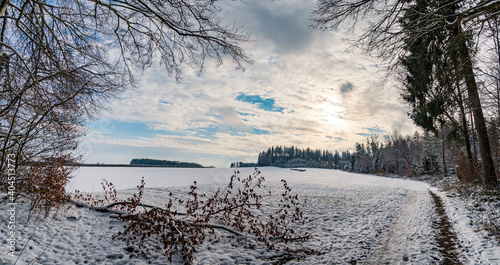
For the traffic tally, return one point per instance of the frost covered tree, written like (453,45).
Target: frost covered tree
(283,156)
(363,162)
(386,37)
(396,154)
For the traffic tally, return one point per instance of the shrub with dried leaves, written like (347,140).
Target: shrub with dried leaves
(236,209)
(45,184)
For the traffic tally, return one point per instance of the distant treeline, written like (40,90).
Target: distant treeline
(165,163)
(410,155)
(242,164)
(282,156)
(394,154)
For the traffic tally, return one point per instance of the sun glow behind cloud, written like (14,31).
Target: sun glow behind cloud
(331,115)
(302,90)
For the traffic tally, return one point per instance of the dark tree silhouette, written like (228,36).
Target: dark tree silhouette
(388,37)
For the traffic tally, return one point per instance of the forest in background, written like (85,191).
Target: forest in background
(411,155)
(281,156)
(164,163)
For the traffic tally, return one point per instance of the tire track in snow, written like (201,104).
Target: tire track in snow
(445,237)
(394,248)
(410,239)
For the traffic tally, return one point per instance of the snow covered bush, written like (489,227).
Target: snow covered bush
(183,224)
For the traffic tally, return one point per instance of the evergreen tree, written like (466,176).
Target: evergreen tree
(435,66)
(283,156)
(336,159)
(432,38)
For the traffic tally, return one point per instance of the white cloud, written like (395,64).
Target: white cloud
(327,94)
(232,119)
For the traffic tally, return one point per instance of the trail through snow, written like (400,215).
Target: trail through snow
(395,247)
(352,218)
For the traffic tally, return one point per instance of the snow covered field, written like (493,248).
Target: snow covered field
(353,219)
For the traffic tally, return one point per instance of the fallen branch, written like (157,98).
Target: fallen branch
(107,208)
(235,210)
(123,215)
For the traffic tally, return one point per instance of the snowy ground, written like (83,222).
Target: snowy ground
(353,219)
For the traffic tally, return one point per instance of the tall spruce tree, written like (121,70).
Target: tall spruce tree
(436,64)
(435,29)
(427,108)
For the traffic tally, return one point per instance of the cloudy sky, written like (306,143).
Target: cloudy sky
(303,89)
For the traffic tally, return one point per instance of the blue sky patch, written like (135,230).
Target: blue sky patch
(210,131)
(375,130)
(207,132)
(267,104)
(245,114)
(260,132)
(335,139)
(126,130)
(134,130)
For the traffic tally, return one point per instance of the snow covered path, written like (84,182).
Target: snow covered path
(353,219)
(410,236)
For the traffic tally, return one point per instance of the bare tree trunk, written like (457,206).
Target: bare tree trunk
(465,128)
(443,150)
(490,179)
